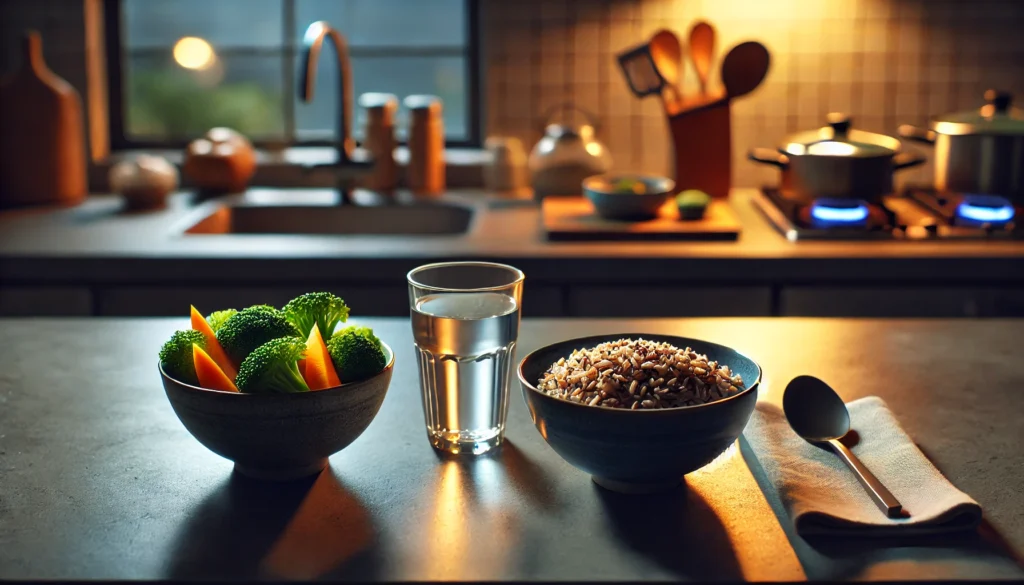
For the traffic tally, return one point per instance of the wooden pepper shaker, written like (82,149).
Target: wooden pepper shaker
(426,173)
(379,140)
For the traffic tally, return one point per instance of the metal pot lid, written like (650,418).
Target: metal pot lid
(838,139)
(995,117)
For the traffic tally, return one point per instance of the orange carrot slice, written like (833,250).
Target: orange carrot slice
(213,347)
(209,373)
(319,369)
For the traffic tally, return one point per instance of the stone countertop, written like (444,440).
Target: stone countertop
(99,480)
(98,243)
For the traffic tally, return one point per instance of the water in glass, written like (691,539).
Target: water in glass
(465,343)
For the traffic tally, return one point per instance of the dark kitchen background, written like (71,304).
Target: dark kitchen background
(499,67)
(885,62)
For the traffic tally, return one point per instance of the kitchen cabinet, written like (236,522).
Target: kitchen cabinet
(34,301)
(668,301)
(903,301)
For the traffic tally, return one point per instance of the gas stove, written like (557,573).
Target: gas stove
(918,213)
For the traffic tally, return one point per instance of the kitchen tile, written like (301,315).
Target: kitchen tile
(624,10)
(622,36)
(552,70)
(939,73)
(939,100)
(909,38)
(841,69)
(875,9)
(873,103)
(585,68)
(909,9)
(840,97)
(874,67)
(590,11)
(586,38)
(620,98)
(553,10)
(907,71)
(588,96)
(876,37)
(907,102)
(655,147)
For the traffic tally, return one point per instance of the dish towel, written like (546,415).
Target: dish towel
(822,495)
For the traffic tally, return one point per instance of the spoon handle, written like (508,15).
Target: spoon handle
(887,503)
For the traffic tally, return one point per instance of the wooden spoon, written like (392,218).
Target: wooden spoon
(744,68)
(702,49)
(666,53)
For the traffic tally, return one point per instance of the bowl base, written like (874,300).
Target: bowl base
(282,473)
(629,487)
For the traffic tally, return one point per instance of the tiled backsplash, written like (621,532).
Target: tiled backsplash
(884,62)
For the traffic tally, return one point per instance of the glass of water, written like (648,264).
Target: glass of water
(465,319)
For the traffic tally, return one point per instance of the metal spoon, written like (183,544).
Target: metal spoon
(818,415)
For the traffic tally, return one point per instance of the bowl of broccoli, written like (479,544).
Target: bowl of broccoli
(276,391)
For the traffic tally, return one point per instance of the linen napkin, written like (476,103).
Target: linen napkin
(822,495)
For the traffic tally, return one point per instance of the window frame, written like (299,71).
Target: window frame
(119,140)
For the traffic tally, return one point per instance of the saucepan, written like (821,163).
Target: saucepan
(837,162)
(978,151)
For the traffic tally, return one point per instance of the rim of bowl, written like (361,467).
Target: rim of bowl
(190,387)
(670,184)
(410,277)
(530,385)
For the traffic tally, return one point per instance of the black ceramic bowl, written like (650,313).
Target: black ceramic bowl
(612,203)
(279,437)
(639,451)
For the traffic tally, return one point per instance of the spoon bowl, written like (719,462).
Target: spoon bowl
(818,415)
(744,68)
(814,410)
(702,49)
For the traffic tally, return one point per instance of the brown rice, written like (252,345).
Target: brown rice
(639,374)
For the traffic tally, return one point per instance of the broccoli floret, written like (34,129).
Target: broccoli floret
(273,367)
(176,355)
(322,308)
(250,328)
(357,353)
(217,319)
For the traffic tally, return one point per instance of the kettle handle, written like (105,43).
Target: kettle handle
(563,107)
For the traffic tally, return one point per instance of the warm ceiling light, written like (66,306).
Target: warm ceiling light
(194,53)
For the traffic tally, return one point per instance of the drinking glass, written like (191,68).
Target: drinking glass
(465,320)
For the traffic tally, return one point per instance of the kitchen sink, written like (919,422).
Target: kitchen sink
(421,219)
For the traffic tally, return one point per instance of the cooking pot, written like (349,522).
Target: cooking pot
(837,162)
(979,151)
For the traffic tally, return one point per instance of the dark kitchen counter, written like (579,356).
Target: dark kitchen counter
(97,243)
(98,479)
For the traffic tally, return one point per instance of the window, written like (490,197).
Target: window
(180,67)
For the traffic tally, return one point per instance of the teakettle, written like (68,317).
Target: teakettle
(566,155)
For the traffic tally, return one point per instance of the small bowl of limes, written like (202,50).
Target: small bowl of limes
(628,197)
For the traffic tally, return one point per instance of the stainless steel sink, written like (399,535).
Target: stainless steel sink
(423,219)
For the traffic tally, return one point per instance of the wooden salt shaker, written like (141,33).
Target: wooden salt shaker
(425,174)
(379,139)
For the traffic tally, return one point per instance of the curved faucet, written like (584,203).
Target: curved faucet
(347,168)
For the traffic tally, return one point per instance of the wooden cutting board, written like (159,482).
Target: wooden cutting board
(573,218)
(42,145)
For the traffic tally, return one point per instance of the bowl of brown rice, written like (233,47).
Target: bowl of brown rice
(639,411)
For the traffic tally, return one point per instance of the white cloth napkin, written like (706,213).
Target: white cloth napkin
(822,496)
